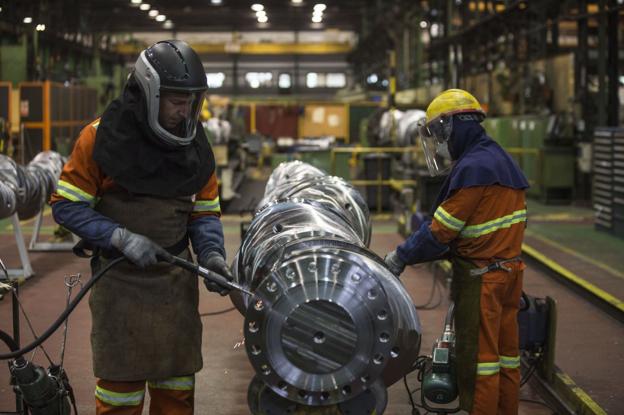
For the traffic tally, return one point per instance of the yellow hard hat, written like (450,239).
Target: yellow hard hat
(453,101)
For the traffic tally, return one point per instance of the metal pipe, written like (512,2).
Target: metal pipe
(328,320)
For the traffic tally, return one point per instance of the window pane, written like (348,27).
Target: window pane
(312,80)
(259,79)
(336,80)
(215,79)
(284,81)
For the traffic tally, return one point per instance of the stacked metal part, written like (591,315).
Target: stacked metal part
(328,321)
(399,127)
(27,189)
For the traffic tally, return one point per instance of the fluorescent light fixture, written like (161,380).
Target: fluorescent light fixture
(153,13)
(161,18)
(27,20)
(135,1)
(168,24)
(317,19)
(40,27)
(317,13)
(296,1)
(261,13)
(257,7)
(263,19)
(320,7)
(145,7)
(216,2)
(423,24)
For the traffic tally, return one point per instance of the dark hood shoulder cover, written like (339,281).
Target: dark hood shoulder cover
(481,162)
(129,152)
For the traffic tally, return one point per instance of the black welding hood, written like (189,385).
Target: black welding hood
(129,151)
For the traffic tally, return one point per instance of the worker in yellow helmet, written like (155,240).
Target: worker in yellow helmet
(479,222)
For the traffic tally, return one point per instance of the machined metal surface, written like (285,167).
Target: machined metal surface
(27,189)
(327,319)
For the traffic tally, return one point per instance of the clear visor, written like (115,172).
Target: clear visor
(434,138)
(178,112)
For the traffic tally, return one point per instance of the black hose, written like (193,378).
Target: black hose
(38,341)
(9,341)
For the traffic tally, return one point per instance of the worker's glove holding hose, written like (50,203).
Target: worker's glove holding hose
(394,263)
(139,249)
(216,263)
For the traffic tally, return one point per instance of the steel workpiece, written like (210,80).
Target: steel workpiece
(328,319)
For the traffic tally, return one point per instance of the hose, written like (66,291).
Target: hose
(38,341)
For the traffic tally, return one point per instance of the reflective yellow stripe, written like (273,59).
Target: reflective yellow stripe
(474,231)
(489,368)
(73,193)
(510,362)
(207,205)
(119,398)
(448,220)
(183,383)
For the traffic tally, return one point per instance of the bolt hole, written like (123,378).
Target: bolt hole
(266,370)
(319,337)
(282,385)
(382,315)
(259,306)
(303,394)
(347,206)
(372,294)
(272,287)
(378,359)
(346,390)
(394,353)
(384,337)
(312,267)
(356,277)
(255,350)
(365,378)
(324,396)
(277,228)
(253,327)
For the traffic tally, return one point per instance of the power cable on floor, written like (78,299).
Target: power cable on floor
(216,313)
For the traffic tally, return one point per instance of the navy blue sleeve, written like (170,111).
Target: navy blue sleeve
(206,233)
(85,222)
(421,246)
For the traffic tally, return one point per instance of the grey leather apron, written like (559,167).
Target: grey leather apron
(146,323)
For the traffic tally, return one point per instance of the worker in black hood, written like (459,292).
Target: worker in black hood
(141,182)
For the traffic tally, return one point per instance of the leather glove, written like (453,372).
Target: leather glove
(216,263)
(394,263)
(139,249)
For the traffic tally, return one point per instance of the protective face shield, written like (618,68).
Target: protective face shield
(434,138)
(173,82)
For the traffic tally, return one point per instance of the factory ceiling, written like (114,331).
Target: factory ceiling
(124,16)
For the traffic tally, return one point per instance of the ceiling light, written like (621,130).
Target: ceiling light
(261,13)
(423,24)
(135,1)
(263,19)
(319,6)
(153,13)
(168,24)
(40,27)
(161,18)
(27,20)
(216,2)
(257,7)
(317,13)
(317,19)
(145,6)
(296,1)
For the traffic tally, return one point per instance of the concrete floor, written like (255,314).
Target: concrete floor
(588,349)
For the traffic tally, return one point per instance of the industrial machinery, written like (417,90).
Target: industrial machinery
(27,189)
(329,324)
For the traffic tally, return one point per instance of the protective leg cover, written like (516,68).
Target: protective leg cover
(498,369)
(173,396)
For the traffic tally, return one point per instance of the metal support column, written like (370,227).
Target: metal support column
(602,63)
(26,271)
(613,101)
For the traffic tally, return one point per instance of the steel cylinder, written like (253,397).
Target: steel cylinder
(328,319)
(31,186)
